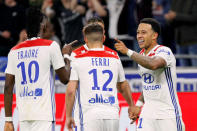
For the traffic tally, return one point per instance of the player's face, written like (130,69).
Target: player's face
(145,35)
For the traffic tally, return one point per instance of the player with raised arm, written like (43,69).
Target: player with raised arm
(93,105)
(29,68)
(157,67)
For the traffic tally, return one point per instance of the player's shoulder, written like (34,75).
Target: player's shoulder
(113,52)
(162,49)
(79,50)
(32,43)
(84,52)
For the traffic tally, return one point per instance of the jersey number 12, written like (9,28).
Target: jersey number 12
(96,87)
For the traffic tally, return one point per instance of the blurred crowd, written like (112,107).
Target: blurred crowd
(178,20)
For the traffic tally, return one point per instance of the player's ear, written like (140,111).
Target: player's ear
(104,37)
(155,35)
(85,39)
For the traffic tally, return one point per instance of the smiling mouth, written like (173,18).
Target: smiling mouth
(140,42)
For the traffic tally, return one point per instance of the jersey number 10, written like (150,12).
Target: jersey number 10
(31,80)
(96,87)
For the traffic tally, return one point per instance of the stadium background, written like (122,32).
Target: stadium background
(123,18)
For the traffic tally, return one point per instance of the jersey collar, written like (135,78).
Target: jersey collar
(152,50)
(94,49)
(34,38)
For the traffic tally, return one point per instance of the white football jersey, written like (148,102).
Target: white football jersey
(159,87)
(98,71)
(31,63)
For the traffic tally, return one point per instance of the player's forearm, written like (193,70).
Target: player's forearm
(67,62)
(69,105)
(126,93)
(141,98)
(144,61)
(8,95)
(70,98)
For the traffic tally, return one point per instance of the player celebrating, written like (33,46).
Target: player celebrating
(157,65)
(97,69)
(29,68)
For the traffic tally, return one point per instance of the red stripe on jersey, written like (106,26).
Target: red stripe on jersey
(32,43)
(151,54)
(97,54)
(110,50)
(157,47)
(79,50)
(142,51)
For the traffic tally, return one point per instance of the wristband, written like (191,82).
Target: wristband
(139,103)
(129,53)
(8,119)
(67,56)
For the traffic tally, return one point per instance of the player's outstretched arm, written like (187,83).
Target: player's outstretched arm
(8,95)
(125,90)
(70,98)
(64,72)
(152,63)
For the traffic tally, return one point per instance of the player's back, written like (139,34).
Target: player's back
(31,63)
(98,72)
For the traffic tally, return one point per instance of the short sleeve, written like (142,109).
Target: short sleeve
(57,59)
(121,74)
(72,56)
(74,73)
(166,54)
(10,69)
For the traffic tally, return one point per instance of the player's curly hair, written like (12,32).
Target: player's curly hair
(34,18)
(154,23)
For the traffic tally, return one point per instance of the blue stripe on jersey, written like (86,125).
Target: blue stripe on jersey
(80,110)
(53,126)
(52,94)
(172,94)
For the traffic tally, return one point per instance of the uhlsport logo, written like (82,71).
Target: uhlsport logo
(100,99)
(148,78)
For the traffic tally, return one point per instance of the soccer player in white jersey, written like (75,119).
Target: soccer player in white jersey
(157,67)
(97,69)
(30,69)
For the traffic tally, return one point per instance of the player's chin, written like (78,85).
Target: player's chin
(141,46)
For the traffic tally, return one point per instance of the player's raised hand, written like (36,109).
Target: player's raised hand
(70,123)
(67,49)
(9,126)
(120,46)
